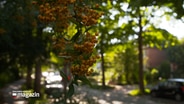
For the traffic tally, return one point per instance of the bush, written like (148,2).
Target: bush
(5,78)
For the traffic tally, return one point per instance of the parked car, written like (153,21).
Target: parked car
(53,83)
(52,77)
(171,88)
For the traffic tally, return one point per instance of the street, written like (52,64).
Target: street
(118,95)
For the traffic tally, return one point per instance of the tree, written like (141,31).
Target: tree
(175,6)
(136,26)
(13,36)
(175,54)
(20,42)
(126,63)
(107,27)
(77,47)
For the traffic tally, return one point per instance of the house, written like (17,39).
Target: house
(155,57)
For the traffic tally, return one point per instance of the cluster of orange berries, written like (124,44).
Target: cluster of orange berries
(83,68)
(2,31)
(80,54)
(88,45)
(46,14)
(57,12)
(19,18)
(60,13)
(84,61)
(60,44)
(88,16)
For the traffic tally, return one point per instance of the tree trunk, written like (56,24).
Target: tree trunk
(127,77)
(103,62)
(141,75)
(103,71)
(28,77)
(37,81)
(16,73)
(37,84)
(127,69)
(67,72)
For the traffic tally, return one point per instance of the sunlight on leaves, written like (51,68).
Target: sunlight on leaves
(136,92)
(154,71)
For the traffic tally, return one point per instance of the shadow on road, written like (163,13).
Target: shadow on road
(6,93)
(87,95)
(118,95)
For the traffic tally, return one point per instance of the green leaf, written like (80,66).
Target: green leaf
(85,80)
(75,80)
(74,38)
(70,91)
(63,75)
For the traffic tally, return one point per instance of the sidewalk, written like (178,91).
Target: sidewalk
(6,93)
